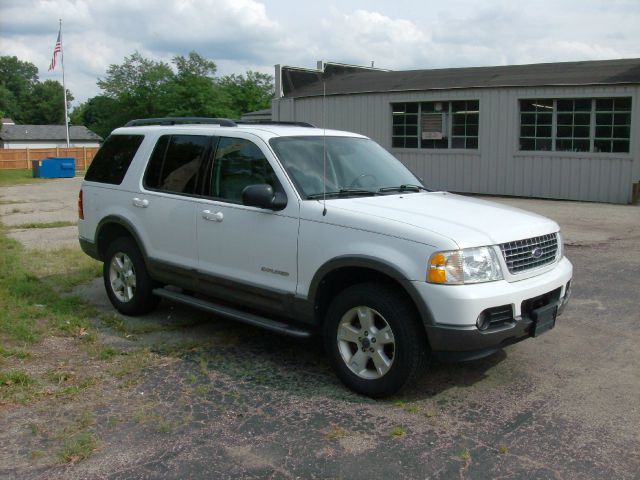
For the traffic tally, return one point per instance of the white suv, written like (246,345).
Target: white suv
(305,231)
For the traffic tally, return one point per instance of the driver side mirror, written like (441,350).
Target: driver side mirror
(262,196)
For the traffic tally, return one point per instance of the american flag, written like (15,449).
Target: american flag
(56,49)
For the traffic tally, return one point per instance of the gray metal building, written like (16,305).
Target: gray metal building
(556,130)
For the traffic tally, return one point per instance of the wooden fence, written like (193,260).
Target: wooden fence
(15,158)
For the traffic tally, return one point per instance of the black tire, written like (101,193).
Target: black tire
(407,347)
(138,299)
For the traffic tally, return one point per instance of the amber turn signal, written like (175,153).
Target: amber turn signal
(436,272)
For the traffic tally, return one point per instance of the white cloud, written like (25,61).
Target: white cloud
(256,34)
(362,36)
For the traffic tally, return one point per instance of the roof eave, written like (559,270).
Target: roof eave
(533,85)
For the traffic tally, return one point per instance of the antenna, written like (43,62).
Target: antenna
(324,148)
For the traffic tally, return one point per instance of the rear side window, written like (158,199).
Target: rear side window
(175,163)
(113,159)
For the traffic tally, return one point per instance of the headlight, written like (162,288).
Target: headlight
(470,265)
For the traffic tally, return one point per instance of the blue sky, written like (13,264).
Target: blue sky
(256,34)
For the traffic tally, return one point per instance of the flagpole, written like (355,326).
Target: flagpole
(64,87)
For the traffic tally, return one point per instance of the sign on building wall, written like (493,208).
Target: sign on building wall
(433,126)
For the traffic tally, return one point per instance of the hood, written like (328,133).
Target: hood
(469,222)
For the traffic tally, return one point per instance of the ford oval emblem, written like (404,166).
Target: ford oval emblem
(536,252)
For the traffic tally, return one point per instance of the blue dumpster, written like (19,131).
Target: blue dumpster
(54,167)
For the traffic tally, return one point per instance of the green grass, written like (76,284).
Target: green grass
(78,447)
(16,378)
(398,431)
(23,176)
(464,454)
(133,362)
(63,268)
(19,353)
(17,177)
(107,353)
(57,224)
(17,387)
(335,432)
(32,306)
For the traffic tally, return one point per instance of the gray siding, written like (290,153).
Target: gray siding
(497,167)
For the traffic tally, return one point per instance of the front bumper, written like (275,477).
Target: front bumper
(452,330)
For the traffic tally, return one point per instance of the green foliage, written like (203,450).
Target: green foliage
(249,92)
(195,65)
(101,114)
(141,88)
(78,447)
(8,103)
(17,177)
(31,306)
(137,88)
(45,105)
(25,99)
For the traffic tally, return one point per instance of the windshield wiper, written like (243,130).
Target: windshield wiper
(404,188)
(343,192)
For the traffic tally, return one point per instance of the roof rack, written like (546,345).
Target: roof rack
(274,122)
(223,122)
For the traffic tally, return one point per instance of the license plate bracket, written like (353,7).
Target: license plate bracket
(544,319)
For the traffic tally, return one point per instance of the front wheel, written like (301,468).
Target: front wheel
(374,339)
(126,279)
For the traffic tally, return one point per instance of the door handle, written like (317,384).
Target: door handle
(141,202)
(214,217)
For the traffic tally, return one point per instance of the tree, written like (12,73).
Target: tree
(137,85)
(134,74)
(25,99)
(140,88)
(8,103)
(101,114)
(17,79)
(194,90)
(248,93)
(195,65)
(45,104)
(17,76)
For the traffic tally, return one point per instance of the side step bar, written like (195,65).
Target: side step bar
(244,317)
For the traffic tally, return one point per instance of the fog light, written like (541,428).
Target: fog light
(483,321)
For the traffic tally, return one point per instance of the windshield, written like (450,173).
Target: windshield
(354,166)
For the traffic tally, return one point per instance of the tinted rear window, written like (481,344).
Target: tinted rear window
(175,163)
(113,159)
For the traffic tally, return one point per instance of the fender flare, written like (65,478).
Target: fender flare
(128,226)
(388,269)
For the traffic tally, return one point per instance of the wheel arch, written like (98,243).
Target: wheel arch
(342,272)
(112,227)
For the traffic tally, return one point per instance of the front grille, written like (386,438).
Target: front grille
(519,255)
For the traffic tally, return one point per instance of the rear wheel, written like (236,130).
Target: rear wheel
(126,279)
(374,339)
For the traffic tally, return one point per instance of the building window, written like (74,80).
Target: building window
(435,124)
(405,125)
(575,124)
(536,119)
(613,125)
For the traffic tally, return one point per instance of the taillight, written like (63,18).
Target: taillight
(80,206)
